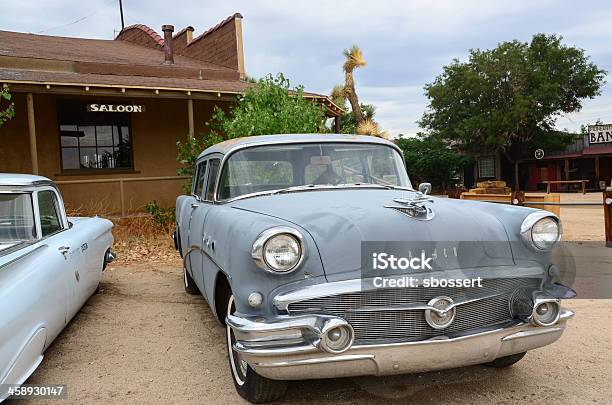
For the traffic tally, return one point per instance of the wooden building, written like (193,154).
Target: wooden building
(588,159)
(102,117)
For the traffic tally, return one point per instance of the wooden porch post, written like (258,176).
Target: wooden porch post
(190,117)
(337,124)
(516,175)
(597,172)
(32,133)
(607,197)
(567,169)
(498,175)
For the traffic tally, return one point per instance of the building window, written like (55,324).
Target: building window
(91,141)
(486,167)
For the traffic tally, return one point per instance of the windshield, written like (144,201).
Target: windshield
(16,219)
(276,167)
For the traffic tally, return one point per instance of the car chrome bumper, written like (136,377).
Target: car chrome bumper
(287,348)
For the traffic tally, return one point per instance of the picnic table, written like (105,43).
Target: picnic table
(549,182)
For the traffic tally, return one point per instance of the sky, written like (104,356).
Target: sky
(406,43)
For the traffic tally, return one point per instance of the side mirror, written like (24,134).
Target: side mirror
(425,188)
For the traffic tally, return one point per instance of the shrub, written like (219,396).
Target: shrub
(165,217)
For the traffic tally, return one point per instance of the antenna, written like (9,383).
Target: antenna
(121,12)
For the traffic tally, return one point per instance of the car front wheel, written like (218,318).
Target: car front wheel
(250,385)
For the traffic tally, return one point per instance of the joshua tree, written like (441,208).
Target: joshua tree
(370,127)
(354,59)
(361,120)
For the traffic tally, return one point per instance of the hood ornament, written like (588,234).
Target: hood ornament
(415,207)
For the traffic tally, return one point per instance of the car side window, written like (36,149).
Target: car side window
(213,171)
(49,213)
(200,179)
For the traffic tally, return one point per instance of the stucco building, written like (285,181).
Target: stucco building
(102,117)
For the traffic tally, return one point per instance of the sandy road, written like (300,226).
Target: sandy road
(143,340)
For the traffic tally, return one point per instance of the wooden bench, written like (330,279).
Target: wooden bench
(549,182)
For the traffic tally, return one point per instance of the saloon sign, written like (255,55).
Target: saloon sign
(600,134)
(135,108)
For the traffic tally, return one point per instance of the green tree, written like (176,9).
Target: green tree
(271,106)
(188,153)
(7,107)
(429,158)
(511,95)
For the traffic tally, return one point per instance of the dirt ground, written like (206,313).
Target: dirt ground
(143,340)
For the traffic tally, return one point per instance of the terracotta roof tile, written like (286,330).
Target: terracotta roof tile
(147,30)
(183,30)
(216,27)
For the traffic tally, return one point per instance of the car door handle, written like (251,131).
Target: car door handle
(195,205)
(64,250)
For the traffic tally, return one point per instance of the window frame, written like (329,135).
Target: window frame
(493,160)
(33,206)
(62,103)
(227,155)
(208,179)
(199,164)
(59,209)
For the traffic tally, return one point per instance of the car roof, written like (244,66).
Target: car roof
(238,143)
(23,180)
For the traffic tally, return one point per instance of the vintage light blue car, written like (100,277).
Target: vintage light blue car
(49,266)
(274,234)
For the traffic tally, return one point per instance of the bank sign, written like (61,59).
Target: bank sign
(129,108)
(600,134)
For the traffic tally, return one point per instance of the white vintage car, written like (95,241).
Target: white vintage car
(49,266)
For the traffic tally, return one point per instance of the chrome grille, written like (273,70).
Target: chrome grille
(410,325)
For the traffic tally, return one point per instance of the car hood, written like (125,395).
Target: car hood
(340,220)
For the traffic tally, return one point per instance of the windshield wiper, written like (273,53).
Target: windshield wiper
(306,187)
(388,187)
(294,188)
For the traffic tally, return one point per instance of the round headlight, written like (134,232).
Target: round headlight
(541,230)
(282,252)
(279,250)
(545,233)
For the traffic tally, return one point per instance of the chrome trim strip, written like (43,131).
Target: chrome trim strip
(334,359)
(28,253)
(566,314)
(310,322)
(528,333)
(288,350)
